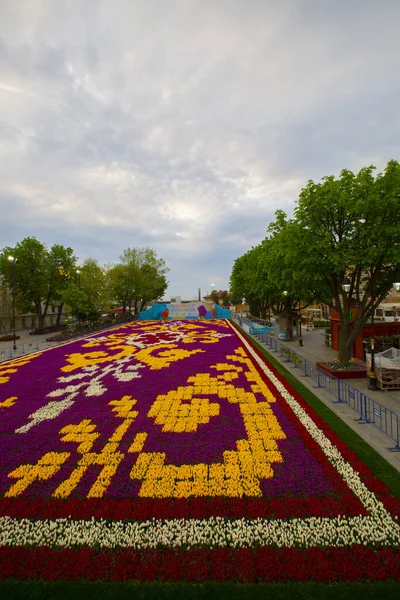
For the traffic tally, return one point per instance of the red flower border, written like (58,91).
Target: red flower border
(252,565)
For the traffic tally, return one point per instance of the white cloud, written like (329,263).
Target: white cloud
(184,125)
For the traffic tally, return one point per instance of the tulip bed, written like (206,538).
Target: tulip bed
(173,451)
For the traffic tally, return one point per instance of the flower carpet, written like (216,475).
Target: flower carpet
(172,451)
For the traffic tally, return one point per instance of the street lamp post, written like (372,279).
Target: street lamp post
(396,283)
(300,336)
(372,375)
(79,287)
(346,284)
(12,259)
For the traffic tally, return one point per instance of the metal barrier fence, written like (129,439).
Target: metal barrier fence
(38,345)
(369,411)
(26,348)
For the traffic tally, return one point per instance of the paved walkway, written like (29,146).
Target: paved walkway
(315,350)
(25,338)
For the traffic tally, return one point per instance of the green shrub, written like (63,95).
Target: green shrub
(321,323)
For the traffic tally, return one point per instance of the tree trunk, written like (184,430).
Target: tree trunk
(263,311)
(289,327)
(40,315)
(345,342)
(348,332)
(59,314)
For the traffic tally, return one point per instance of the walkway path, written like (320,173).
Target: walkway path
(24,338)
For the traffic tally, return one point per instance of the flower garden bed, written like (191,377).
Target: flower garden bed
(357,372)
(9,338)
(172,451)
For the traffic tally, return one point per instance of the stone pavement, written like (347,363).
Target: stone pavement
(25,338)
(315,350)
(38,343)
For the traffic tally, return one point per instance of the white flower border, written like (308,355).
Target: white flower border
(379,528)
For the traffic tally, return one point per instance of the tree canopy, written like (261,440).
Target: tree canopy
(39,275)
(43,278)
(342,227)
(138,278)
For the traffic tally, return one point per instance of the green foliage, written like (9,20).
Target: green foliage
(321,323)
(250,279)
(138,278)
(345,226)
(44,278)
(93,282)
(79,303)
(352,225)
(40,275)
(297,360)
(225,299)
(214,297)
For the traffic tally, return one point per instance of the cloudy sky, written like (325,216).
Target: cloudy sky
(184,125)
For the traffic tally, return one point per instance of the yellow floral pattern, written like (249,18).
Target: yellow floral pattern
(12,366)
(9,402)
(183,410)
(241,470)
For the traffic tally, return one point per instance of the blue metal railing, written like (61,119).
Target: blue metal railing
(256,326)
(370,411)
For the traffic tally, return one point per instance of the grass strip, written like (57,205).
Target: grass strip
(85,590)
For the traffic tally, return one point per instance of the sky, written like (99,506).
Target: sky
(184,125)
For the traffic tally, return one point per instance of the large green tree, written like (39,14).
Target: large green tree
(79,303)
(256,276)
(151,285)
(246,282)
(342,227)
(87,292)
(351,228)
(288,288)
(138,278)
(93,281)
(62,263)
(39,274)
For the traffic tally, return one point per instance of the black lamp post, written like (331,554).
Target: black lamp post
(79,287)
(372,375)
(346,284)
(396,283)
(300,337)
(13,260)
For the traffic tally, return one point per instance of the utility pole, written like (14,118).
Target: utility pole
(13,260)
